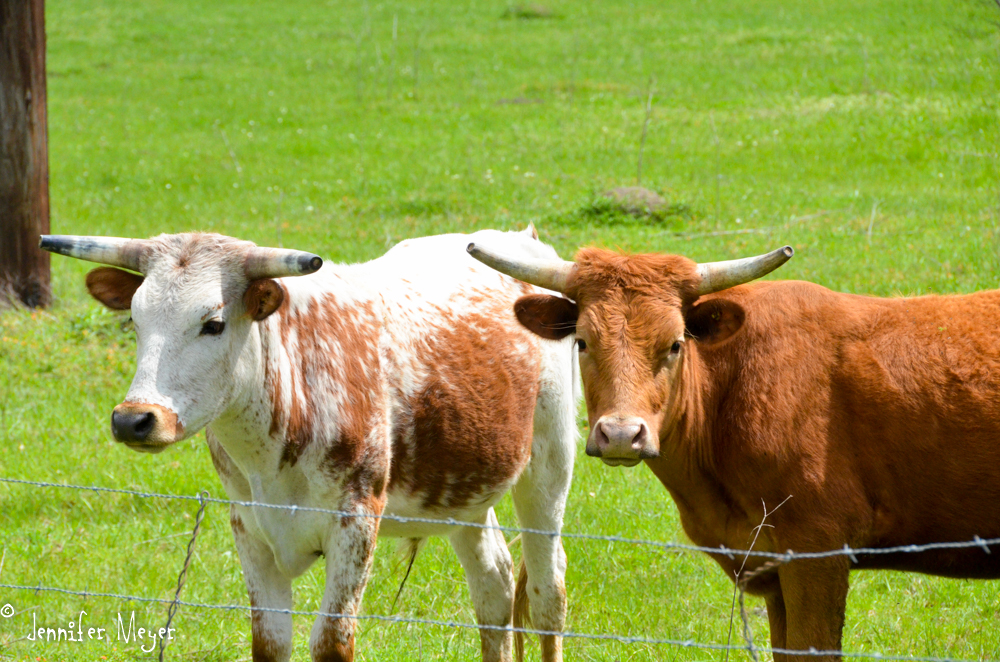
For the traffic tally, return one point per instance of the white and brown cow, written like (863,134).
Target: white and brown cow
(402,386)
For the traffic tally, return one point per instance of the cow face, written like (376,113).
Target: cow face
(191,324)
(636,324)
(194,312)
(638,321)
(630,367)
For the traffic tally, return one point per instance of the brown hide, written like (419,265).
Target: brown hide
(880,418)
(464,436)
(468,431)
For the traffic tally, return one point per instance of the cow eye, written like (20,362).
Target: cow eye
(581,344)
(676,347)
(212,327)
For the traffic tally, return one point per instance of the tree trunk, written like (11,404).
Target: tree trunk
(24,157)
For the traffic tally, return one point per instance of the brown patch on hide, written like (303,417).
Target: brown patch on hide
(365,475)
(335,350)
(471,422)
(236,523)
(367,502)
(113,287)
(220,458)
(329,647)
(272,383)
(264,647)
(189,249)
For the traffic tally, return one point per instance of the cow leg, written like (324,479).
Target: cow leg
(815,596)
(349,553)
(540,502)
(268,589)
(489,573)
(776,622)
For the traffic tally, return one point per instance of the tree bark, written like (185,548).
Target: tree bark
(24,158)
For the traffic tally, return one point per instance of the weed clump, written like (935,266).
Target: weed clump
(630,204)
(527,12)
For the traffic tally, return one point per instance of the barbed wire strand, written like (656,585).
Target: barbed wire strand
(982,543)
(776,560)
(568,634)
(172,610)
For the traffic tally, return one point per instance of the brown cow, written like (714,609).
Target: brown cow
(880,418)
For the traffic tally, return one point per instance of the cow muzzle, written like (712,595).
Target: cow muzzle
(145,428)
(621,441)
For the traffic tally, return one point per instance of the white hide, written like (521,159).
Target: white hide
(218,381)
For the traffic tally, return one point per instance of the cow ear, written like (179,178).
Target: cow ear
(714,321)
(263,297)
(547,316)
(113,287)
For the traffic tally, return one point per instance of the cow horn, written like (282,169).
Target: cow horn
(279,262)
(546,273)
(717,276)
(115,251)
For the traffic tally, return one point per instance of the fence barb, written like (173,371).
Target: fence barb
(982,543)
(744,579)
(567,634)
(172,610)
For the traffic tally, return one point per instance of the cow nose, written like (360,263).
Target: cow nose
(132,426)
(616,435)
(625,438)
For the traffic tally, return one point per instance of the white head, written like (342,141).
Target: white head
(193,308)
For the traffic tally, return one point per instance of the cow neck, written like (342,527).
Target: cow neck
(314,378)
(239,429)
(686,465)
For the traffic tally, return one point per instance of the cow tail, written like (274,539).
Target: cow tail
(410,547)
(522,613)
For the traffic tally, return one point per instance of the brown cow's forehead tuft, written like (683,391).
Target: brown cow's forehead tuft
(670,278)
(622,319)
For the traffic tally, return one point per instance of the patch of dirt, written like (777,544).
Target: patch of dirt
(636,200)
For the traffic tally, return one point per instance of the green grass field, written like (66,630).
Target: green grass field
(865,134)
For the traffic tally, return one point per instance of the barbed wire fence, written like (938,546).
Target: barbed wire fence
(775,559)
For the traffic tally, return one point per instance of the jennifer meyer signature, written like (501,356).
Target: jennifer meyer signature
(122,630)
